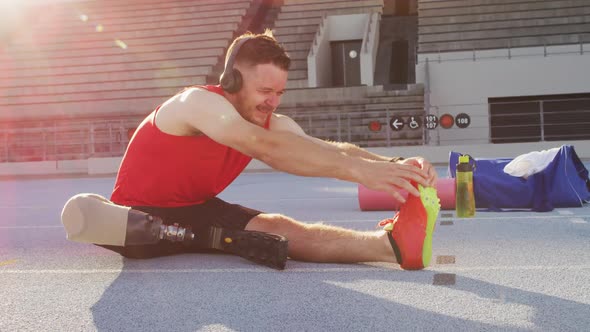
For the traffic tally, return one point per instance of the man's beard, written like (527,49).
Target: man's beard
(253,115)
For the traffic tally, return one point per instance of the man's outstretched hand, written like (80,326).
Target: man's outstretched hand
(425,166)
(392,177)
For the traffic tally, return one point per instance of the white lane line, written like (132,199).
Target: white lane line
(295,199)
(375,220)
(31,227)
(499,217)
(549,216)
(164,271)
(434,269)
(565,212)
(516,268)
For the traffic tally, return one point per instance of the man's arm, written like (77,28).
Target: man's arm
(284,123)
(215,117)
(356,151)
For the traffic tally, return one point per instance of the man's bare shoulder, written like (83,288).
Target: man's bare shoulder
(176,114)
(190,93)
(280,117)
(281,122)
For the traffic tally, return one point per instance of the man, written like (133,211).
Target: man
(196,143)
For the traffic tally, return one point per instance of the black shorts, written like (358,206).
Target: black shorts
(214,212)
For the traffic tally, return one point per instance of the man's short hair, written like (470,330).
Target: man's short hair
(261,48)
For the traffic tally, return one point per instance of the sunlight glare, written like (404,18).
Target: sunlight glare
(11,14)
(121,44)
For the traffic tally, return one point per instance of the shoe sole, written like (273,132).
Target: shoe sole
(263,248)
(431,204)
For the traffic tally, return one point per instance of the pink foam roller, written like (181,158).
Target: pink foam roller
(371,200)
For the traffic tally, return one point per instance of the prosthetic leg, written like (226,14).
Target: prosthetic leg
(91,218)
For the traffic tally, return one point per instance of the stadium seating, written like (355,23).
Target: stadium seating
(84,73)
(112,58)
(80,62)
(455,25)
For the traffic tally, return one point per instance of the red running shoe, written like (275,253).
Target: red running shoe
(410,230)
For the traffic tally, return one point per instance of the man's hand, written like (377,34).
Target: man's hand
(393,177)
(425,166)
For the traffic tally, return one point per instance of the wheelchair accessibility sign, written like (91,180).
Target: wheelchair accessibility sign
(397,123)
(414,123)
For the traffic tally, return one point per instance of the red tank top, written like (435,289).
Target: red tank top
(164,170)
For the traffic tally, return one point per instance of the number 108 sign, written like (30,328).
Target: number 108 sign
(462,120)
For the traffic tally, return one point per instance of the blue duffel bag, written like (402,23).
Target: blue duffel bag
(563,183)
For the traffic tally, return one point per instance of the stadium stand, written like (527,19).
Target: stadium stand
(85,69)
(454,25)
(340,113)
(92,59)
(83,74)
(78,76)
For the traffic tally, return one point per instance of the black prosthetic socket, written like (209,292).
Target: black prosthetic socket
(143,229)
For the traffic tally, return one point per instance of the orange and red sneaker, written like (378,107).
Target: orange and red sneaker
(410,230)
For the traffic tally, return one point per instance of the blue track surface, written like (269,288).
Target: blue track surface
(511,271)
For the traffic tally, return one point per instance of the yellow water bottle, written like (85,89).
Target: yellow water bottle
(464,199)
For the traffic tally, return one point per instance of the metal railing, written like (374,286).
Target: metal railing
(366,128)
(546,48)
(534,120)
(364,125)
(60,140)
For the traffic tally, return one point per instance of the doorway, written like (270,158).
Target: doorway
(398,68)
(346,62)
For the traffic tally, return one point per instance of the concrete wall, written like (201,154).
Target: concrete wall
(439,155)
(369,49)
(458,84)
(436,154)
(396,28)
(347,27)
(44,168)
(319,70)
(97,166)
